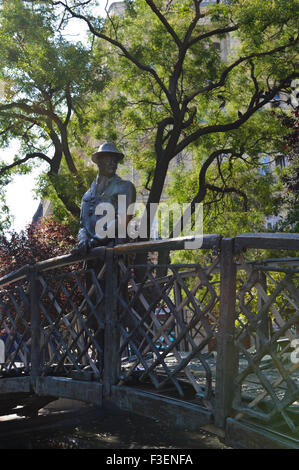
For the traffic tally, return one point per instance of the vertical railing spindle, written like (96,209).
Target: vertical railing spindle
(35,325)
(226,352)
(112,335)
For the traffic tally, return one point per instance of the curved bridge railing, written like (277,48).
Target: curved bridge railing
(221,334)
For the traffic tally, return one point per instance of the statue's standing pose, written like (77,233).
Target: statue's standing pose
(106,189)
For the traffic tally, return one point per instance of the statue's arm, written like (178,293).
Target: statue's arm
(83,237)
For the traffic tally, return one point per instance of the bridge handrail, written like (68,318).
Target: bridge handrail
(283,241)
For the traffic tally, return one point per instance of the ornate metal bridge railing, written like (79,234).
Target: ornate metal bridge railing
(265,353)
(217,339)
(266,340)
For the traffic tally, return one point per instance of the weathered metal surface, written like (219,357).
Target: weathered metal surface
(111,346)
(145,307)
(89,392)
(208,242)
(15,385)
(35,325)
(178,413)
(226,357)
(217,336)
(270,241)
(249,436)
(278,379)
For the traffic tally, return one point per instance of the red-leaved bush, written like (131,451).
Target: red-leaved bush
(47,239)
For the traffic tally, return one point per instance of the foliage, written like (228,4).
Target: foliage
(5,219)
(235,212)
(174,92)
(44,81)
(290,180)
(67,184)
(47,239)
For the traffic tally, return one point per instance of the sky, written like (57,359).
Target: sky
(20,193)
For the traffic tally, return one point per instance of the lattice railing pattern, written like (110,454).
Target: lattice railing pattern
(156,325)
(267,383)
(166,322)
(72,322)
(15,332)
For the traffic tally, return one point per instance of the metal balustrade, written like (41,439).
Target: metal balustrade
(215,342)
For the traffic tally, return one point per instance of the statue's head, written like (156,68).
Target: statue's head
(107,159)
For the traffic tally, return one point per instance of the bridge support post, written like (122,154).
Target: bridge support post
(226,352)
(112,335)
(35,326)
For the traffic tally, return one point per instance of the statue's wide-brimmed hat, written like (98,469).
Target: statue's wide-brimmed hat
(108,148)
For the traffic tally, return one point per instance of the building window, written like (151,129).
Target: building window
(281,161)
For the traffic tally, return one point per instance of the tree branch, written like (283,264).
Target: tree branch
(148,181)
(29,156)
(202,187)
(31,110)
(164,21)
(117,44)
(183,48)
(68,98)
(159,136)
(215,32)
(216,128)
(239,61)
(226,190)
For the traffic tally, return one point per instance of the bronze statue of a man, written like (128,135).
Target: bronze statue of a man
(105,191)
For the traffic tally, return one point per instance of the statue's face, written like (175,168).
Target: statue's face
(107,165)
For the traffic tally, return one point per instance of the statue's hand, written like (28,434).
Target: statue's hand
(81,249)
(96,242)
